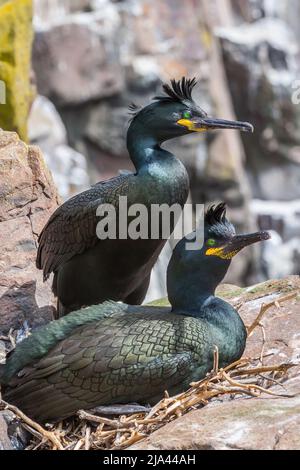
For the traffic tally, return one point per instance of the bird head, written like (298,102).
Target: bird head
(221,243)
(175,114)
(206,268)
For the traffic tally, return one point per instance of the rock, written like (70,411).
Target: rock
(5,443)
(47,130)
(27,199)
(158,287)
(106,129)
(80,5)
(143,73)
(15,59)
(281,255)
(253,10)
(87,67)
(18,437)
(256,424)
(290,12)
(249,424)
(248,11)
(2,352)
(261,65)
(45,124)
(261,62)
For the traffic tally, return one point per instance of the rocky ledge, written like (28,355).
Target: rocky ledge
(27,199)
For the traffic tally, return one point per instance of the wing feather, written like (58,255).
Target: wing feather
(100,365)
(72,228)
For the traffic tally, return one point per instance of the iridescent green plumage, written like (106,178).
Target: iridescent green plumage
(123,358)
(115,353)
(89,270)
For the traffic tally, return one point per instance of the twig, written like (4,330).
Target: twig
(216,360)
(260,370)
(264,336)
(265,307)
(87,443)
(270,379)
(79,444)
(114,424)
(254,387)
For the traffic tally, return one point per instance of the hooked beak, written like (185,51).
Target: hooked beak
(237,243)
(241,241)
(204,124)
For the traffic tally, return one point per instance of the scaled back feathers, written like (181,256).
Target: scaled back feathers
(43,339)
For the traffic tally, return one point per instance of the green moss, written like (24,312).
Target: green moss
(227,291)
(268,287)
(16,36)
(160,303)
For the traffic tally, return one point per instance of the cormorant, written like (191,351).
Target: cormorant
(88,270)
(114,353)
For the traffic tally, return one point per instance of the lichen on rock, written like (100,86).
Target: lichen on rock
(16,36)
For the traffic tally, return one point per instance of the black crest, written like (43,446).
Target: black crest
(216,214)
(178,91)
(216,222)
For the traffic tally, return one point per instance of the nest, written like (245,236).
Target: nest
(90,431)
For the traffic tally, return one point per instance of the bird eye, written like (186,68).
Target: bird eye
(211,242)
(187,115)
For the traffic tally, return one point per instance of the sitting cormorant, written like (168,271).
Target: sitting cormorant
(114,353)
(88,270)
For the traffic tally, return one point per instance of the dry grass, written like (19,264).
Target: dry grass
(246,377)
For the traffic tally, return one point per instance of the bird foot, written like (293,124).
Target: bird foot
(120,409)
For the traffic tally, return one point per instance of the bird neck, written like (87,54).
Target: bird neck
(143,147)
(186,298)
(190,290)
(227,330)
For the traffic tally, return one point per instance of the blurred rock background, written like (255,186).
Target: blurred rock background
(92,58)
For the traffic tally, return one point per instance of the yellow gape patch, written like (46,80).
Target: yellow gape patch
(191,125)
(219,252)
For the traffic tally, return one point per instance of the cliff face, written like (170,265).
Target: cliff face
(27,199)
(123,52)
(246,56)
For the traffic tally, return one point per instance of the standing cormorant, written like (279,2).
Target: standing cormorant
(114,353)
(88,270)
